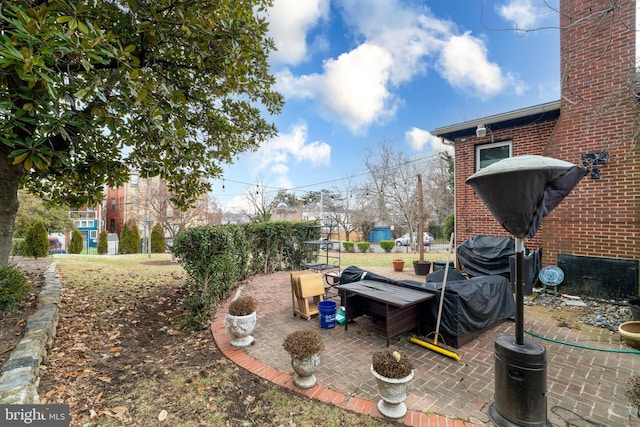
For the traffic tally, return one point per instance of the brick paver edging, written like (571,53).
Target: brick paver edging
(322,394)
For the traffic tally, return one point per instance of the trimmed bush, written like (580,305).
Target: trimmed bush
(129,238)
(387,245)
(158,245)
(103,244)
(363,246)
(348,246)
(76,245)
(19,247)
(37,241)
(13,288)
(217,258)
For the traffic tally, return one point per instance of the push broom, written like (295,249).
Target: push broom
(435,347)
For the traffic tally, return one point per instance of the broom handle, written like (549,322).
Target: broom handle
(444,284)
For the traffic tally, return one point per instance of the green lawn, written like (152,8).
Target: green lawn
(382,259)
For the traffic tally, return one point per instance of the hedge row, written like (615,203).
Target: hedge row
(217,258)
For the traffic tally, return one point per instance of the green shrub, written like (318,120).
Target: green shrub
(76,245)
(363,246)
(103,244)
(19,247)
(158,245)
(129,238)
(13,288)
(348,246)
(217,258)
(37,241)
(387,245)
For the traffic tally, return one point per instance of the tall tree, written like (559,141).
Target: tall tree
(155,197)
(92,89)
(55,217)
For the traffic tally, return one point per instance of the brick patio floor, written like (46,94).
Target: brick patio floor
(586,387)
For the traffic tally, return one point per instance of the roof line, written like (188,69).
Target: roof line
(502,117)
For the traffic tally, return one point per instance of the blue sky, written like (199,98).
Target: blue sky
(355,73)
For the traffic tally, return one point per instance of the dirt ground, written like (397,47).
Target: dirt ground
(129,362)
(12,324)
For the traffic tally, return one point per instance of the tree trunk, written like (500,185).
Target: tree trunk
(11,176)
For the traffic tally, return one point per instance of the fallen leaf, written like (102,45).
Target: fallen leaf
(119,411)
(105,379)
(162,415)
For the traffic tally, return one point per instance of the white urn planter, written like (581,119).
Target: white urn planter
(393,392)
(239,329)
(305,367)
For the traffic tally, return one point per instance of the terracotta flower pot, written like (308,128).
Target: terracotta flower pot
(398,264)
(630,333)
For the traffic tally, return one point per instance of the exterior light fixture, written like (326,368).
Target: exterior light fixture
(481,131)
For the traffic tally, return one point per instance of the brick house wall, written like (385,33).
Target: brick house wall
(595,231)
(472,217)
(598,112)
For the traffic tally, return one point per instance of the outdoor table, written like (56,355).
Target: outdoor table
(399,306)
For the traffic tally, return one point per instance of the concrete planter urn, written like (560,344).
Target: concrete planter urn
(304,346)
(239,329)
(305,368)
(393,392)
(240,321)
(393,370)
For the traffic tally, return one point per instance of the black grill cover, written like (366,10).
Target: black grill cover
(472,305)
(486,255)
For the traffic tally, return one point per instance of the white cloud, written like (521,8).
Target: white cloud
(352,89)
(524,14)
(355,87)
(418,139)
(289,23)
(394,44)
(276,154)
(464,64)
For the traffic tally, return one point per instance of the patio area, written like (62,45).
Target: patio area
(586,387)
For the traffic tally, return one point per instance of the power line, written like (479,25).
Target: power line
(294,189)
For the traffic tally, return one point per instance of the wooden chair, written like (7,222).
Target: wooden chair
(308,291)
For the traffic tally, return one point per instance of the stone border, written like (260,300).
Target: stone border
(20,374)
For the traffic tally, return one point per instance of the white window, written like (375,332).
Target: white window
(84,223)
(93,234)
(487,154)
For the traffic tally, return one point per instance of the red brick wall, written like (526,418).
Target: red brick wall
(601,217)
(472,217)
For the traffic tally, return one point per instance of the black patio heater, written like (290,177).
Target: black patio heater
(519,192)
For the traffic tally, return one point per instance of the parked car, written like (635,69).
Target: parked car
(404,239)
(55,246)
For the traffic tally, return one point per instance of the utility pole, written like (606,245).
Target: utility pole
(420,238)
